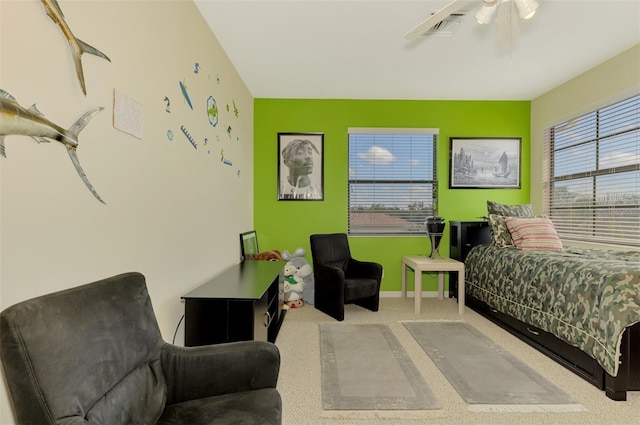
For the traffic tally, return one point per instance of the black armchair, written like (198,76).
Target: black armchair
(94,355)
(340,279)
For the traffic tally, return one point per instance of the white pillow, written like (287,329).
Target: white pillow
(534,234)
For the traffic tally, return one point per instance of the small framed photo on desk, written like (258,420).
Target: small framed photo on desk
(248,245)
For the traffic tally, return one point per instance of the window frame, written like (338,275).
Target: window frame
(416,228)
(611,220)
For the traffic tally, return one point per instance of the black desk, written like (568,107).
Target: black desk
(243,303)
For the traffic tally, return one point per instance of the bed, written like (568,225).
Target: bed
(579,306)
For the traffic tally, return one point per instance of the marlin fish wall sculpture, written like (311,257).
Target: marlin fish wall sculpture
(78,47)
(16,120)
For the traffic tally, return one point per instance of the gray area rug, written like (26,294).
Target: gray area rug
(486,376)
(364,367)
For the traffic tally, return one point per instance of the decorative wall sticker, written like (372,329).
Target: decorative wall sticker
(78,47)
(127,114)
(212,111)
(235,108)
(196,68)
(168,109)
(183,88)
(170,135)
(16,120)
(229,131)
(223,159)
(189,137)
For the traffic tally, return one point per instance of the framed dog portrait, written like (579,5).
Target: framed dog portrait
(300,166)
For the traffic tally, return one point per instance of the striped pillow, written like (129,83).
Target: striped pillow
(533,234)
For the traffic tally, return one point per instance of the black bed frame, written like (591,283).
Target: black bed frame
(628,378)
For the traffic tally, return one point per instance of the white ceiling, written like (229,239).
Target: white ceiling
(329,49)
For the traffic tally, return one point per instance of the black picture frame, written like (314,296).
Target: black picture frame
(485,162)
(248,245)
(307,169)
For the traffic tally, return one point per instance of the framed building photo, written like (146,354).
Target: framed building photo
(484,163)
(300,166)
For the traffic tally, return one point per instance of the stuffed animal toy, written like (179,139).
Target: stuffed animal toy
(302,275)
(268,256)
(293,287)
(286,255)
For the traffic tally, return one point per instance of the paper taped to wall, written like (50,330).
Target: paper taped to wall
(127,114)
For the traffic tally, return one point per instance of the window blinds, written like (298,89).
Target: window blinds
(592,175)
(392,180)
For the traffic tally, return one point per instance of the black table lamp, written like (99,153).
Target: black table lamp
(435,228)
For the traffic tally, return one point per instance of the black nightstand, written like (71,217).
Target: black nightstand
(464,235)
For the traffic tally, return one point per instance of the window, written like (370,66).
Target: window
(592,174)
(392,180)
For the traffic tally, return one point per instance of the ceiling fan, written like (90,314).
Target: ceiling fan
(508,12)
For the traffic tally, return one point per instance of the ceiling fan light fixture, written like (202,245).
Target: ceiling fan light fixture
(487,11)
(526,8)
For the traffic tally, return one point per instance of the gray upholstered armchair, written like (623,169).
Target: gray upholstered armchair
(94,355)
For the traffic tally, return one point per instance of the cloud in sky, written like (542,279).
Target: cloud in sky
(377,155)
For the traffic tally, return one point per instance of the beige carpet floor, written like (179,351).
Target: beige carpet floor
(300,374)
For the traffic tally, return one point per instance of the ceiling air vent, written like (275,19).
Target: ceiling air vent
(448,26)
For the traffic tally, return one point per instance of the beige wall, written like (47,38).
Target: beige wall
(172,212)
(611,81)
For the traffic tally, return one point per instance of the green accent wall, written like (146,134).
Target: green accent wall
(286,225)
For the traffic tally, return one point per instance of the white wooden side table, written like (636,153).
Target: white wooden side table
(421,264)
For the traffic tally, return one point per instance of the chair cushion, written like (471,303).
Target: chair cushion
(262,407)
(359,288)
(145,386)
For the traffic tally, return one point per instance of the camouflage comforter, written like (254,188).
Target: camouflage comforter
(585,297)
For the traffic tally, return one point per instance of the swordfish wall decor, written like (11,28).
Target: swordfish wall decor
(16,120)
(78,47)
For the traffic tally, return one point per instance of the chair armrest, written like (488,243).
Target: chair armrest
(367,269)
(331,277)
(196,372)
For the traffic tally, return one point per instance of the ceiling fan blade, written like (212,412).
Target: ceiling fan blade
(507,23)
(437,17)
